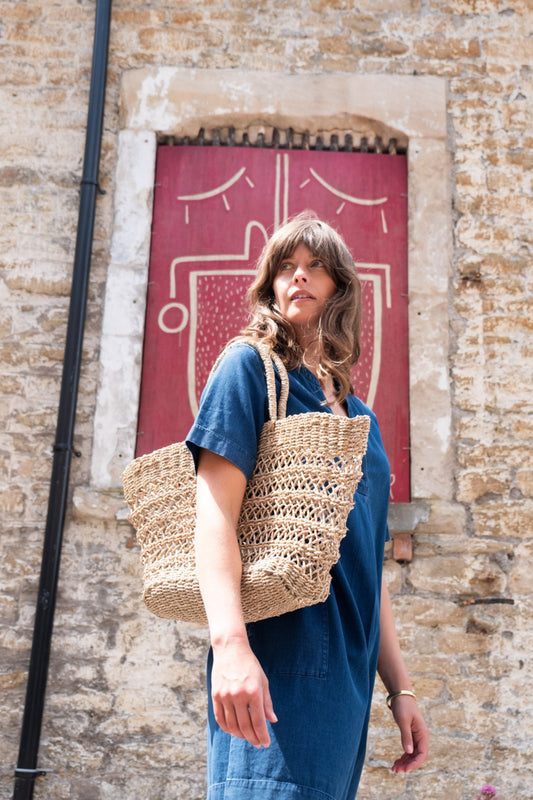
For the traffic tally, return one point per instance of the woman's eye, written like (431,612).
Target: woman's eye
(285,267)
(317,263)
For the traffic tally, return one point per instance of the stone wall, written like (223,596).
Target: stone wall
(125,705)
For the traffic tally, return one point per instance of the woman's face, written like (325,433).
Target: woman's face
(302,288)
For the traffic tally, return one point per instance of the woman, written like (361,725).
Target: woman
(289,697)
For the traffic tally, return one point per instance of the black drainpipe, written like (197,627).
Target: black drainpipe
(27,770)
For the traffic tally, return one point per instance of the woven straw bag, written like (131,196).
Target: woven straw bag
(292,520)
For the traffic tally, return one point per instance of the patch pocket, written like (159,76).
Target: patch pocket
(293,644)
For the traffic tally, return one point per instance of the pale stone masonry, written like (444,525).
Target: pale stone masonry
(125,702)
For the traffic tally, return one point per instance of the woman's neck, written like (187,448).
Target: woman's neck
(311,359)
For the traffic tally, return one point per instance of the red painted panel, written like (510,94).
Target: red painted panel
(214,207)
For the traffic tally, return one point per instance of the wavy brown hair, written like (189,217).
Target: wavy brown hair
(338,329)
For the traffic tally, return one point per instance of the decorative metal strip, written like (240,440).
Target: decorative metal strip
(286,140)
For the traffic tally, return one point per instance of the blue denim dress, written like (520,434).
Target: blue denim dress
(321,660)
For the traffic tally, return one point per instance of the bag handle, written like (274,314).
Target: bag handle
(275,411)
(268,357)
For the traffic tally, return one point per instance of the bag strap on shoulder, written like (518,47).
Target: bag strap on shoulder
(275,410)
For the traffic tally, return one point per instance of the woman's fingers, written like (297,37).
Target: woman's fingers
(226,718)
(256,715)
(243,721)
(270,714)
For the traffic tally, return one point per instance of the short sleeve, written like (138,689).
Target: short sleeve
(233,409)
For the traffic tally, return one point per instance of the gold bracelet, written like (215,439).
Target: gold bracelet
(392,695)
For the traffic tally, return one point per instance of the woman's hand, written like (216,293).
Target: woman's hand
(239,688)
(414,733)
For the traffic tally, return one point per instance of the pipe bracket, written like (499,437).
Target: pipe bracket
(31,773)
(61,447)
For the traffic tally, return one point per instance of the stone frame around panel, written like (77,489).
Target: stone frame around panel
(175,101)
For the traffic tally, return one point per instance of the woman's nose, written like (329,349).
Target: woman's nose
(300,274)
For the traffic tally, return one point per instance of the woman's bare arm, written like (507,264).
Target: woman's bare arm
(393,672)
(241,698)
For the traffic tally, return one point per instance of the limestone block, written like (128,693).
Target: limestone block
(406,516)
(378,780)
(446,575)
(133,198)
(485,576)
(445,518)
(89,504)
(428,314)
(465,644)
(377,8)
(11,680)
(489,455)
(392,572)
(504,518)
(13,501)
(439,783)
(474,485)
(435,665)
(429,689)
(137,17)
(191,97)
(446,718)
(427,611)
(111,456)
(447,48)
(520,573)
(474,7)
(363,23)
(126,293)
(502,51)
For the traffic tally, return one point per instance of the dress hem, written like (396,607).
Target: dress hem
(240,789)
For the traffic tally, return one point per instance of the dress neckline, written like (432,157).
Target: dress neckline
(310,377)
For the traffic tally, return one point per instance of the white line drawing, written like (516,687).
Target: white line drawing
(348,197)
(386,269)
(192,314)
(374,279)
(281,191)
(286,188)
(218,190)
(244,256)
(184,318)
(193,293)
(377,274)
(276,192)
(213,192)
(378,336)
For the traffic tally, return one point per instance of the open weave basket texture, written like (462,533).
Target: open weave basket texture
(292,521)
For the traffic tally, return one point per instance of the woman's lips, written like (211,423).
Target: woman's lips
(301,296)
